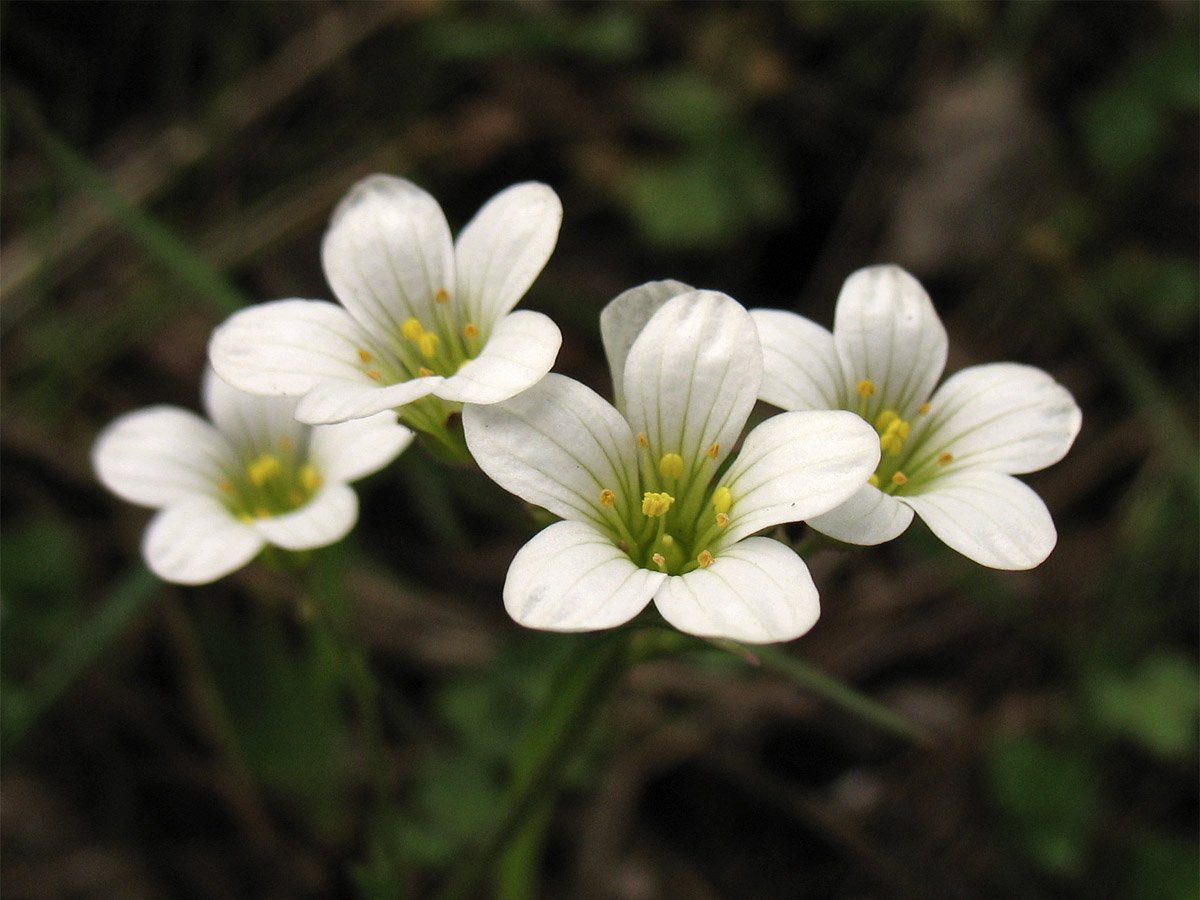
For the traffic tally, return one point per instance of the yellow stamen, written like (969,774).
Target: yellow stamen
(427,343)
(365,355)
(899,478)
(295,498)
(893,438)
(470,331)
(263,469)
(923,409)
(607,497)
(442,296)
(286,444)
(667,541)
(944,459)
(660,561)
(671,465)
(412,330)
(262,512)
(722,499)
(374,374)
(722,520)
(873,481)
(866,387)
(642,440)
(884,419)
(245,517)
(713,452)
(654,505)
(310,478)
(424,371)
(705,559)
(225,486)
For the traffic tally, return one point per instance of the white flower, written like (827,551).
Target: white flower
(258,477)
(949,457)
(421,316)
(650,508)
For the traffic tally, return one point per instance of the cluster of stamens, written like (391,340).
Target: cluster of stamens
(272,483)
(421,352)
(897,466)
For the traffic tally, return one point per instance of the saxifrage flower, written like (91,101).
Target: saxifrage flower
(652,505)
(425,322)
(947,455)
(253,476)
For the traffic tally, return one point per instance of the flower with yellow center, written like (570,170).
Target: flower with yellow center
(425,323)
(948,455)
(654,505)
(253,476)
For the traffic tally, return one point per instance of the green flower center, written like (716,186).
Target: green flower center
(270,484)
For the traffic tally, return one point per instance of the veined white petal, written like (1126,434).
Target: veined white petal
(323,520)
(339,401)
(1006,417)
(801,369)
(869,517)
(692,375)
(887,331)
(504,248)
(289,346)
(253,424)
(758,591)
(388,253)
(557,445)
(198,541)
(351,450)
(623,319)
(796,465)
(570,577)
(991,518)
(162,454)
(521,349)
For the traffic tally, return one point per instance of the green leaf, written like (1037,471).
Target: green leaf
(1156,705)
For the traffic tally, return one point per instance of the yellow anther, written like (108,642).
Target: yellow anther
(660,561)
(366,355)
(713,452)
(263,469)
(923,409)
(607,497)
(310,478)
(262,512)
(427,343)
(722,499)
(866,387)
(295,498)
(424,371)
(893,438)
(667,541)
(654,505)
(671,465)
(245,517)
(884,419)
(286,444)
(225,486)
(412,330)
(374,374)
(442,295)
(899,478)
(470,331)
(705,559)
(642,440)
(722,520)
(944,459)
(873,481)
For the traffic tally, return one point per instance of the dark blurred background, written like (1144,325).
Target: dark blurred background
(1034,164)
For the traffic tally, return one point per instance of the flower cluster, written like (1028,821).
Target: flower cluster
(663,495)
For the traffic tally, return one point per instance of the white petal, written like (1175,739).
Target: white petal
(988,517)
(325,519)
(503,249)
(340,401)
(801,369)
(557,445)
(623,319)
(253,424)
(1002,416)
(161,454)
(570,577)
(886,330)
(692,376)
(198,541)
(869,517)
(520,351)
(758,591)
(796,465)
(351,450)
(289,346)
(387,253)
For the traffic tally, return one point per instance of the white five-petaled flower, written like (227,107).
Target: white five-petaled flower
(422,319)
(652,506)
(254,476)
(948,455)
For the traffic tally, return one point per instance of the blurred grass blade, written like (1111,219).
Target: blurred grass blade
(158,242)
(128,599)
